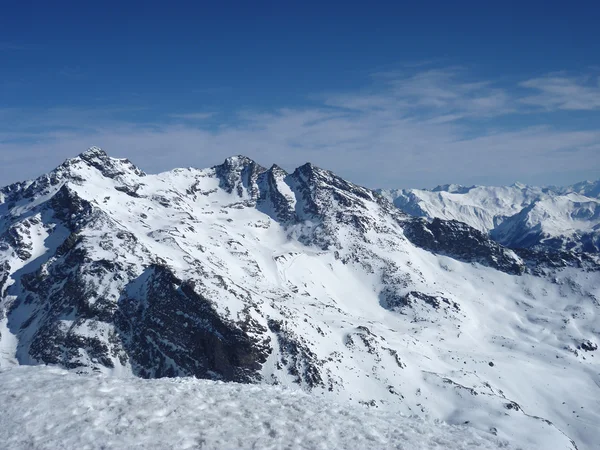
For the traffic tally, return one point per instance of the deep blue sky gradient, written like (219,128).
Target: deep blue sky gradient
(144,61)
(243,54)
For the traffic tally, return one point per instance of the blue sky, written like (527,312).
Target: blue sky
(387,94)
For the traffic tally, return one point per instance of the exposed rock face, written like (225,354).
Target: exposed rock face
(172,330)
(541,261)
(301,362)
(436,302)
(239,174)
(107,166)
(275,200)
(241,273)
(460,241)
(589,346)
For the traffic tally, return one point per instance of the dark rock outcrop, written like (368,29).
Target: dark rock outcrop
(460,241)
(169,329)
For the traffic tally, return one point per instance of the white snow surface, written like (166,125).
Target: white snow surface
(49,408)
(481,207)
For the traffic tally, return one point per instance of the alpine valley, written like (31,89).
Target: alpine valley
(476,307)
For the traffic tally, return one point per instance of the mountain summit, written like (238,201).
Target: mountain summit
(242,273)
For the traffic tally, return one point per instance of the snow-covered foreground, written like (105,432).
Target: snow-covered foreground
(48,408)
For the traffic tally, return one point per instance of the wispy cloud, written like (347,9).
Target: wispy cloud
(404,128)
(564,92)
(448,92)
(193,116)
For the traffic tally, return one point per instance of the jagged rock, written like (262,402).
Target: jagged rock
(460,241)
(239,174)
(436,302)
(539,262)
(172,330)
(589,346)
(300,361)
(276,198)
(109,167)
(70,208)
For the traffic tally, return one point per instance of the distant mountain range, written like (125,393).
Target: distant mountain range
(475,306)
(517,216)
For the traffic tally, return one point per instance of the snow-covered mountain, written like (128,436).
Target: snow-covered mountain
(564,222)
(242,273)
(517,216)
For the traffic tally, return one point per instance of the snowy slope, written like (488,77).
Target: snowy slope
(516,216)
(566,222)
(99,413)
(482,207)
(247,274)
(587,188)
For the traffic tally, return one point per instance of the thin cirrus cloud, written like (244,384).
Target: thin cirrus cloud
(438,92)
(564,92)
(414,129)
(193,116)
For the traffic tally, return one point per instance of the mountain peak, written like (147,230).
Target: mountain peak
(276,168)
(519,185)
(239,173)
(93,152)
(238,161)
(109,167)
(307,166)
(95,157)
(452,188)
(307,170)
